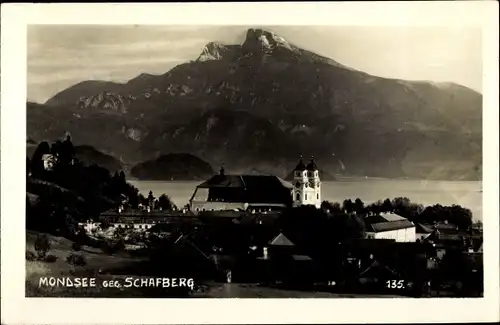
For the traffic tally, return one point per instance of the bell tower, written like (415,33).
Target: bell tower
(314,183)
(306,184)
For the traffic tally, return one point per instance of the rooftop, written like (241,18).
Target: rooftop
(387,222)
(139,213)
(392,225)
(249,182)
(422,228)
(281,240)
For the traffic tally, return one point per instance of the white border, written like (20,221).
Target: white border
(16,309)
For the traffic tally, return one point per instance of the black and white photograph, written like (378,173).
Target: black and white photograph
(263,160)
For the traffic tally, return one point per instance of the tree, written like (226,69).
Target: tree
(151,198)
(66,151)
(133,198)
(348,206)
(386,206)
(359,206)
(165,203)
(333,208)
(42,245)
(37,167)
(142,200)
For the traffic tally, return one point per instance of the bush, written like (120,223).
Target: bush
(76,259)
(50,258)
(42,245)
(119,245)
(30,256)
(107,248)
(76,246)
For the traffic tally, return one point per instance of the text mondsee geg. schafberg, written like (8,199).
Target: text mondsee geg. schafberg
(129,282)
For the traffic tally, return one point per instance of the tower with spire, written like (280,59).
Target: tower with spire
(306,184)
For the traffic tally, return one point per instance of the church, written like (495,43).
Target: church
(306,184)
(258,192)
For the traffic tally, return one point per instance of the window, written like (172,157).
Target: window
(305,198)
(309,174)
(297,174)
(297,196)
(317,196)
(316,174)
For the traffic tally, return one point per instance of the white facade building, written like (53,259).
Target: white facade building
(306,185)
(49,160)
(392,226)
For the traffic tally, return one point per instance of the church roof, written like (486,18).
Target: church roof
(312,165)
(300,166)
(249,182)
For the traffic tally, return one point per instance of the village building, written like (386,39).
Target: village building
(255,193)
(306,184)
(137,219)
(49,161)
(423,231)
(390,226)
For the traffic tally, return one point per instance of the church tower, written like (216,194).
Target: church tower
(306,184)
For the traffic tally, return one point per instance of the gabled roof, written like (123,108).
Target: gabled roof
(377,269)
(392,217)
(248,182)
(387,222)
(423,228)
(281,240)
(392,225)
(301,257)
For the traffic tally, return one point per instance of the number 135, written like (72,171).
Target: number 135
(395,284)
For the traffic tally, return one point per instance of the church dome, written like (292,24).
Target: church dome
(312,165)
(300,166)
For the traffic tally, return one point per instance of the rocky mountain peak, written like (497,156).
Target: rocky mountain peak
(259,39)
(213,51)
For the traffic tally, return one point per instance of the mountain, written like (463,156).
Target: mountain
(261,104)
(178,167)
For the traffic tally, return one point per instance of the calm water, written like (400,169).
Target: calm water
(466,194)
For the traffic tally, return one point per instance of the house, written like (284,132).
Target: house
(136,219)
(423,231)
(49,160)
(258,193)
(285,262)
(390,226)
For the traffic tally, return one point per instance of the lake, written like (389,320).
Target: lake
(466,194)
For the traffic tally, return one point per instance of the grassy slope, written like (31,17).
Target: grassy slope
(62,248)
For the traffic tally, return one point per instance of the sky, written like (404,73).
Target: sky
(60,56)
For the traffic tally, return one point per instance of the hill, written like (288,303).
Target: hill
(261,103)
(86,154)
(173,167)
(89,155)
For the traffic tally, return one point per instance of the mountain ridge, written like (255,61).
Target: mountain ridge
(263,102)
